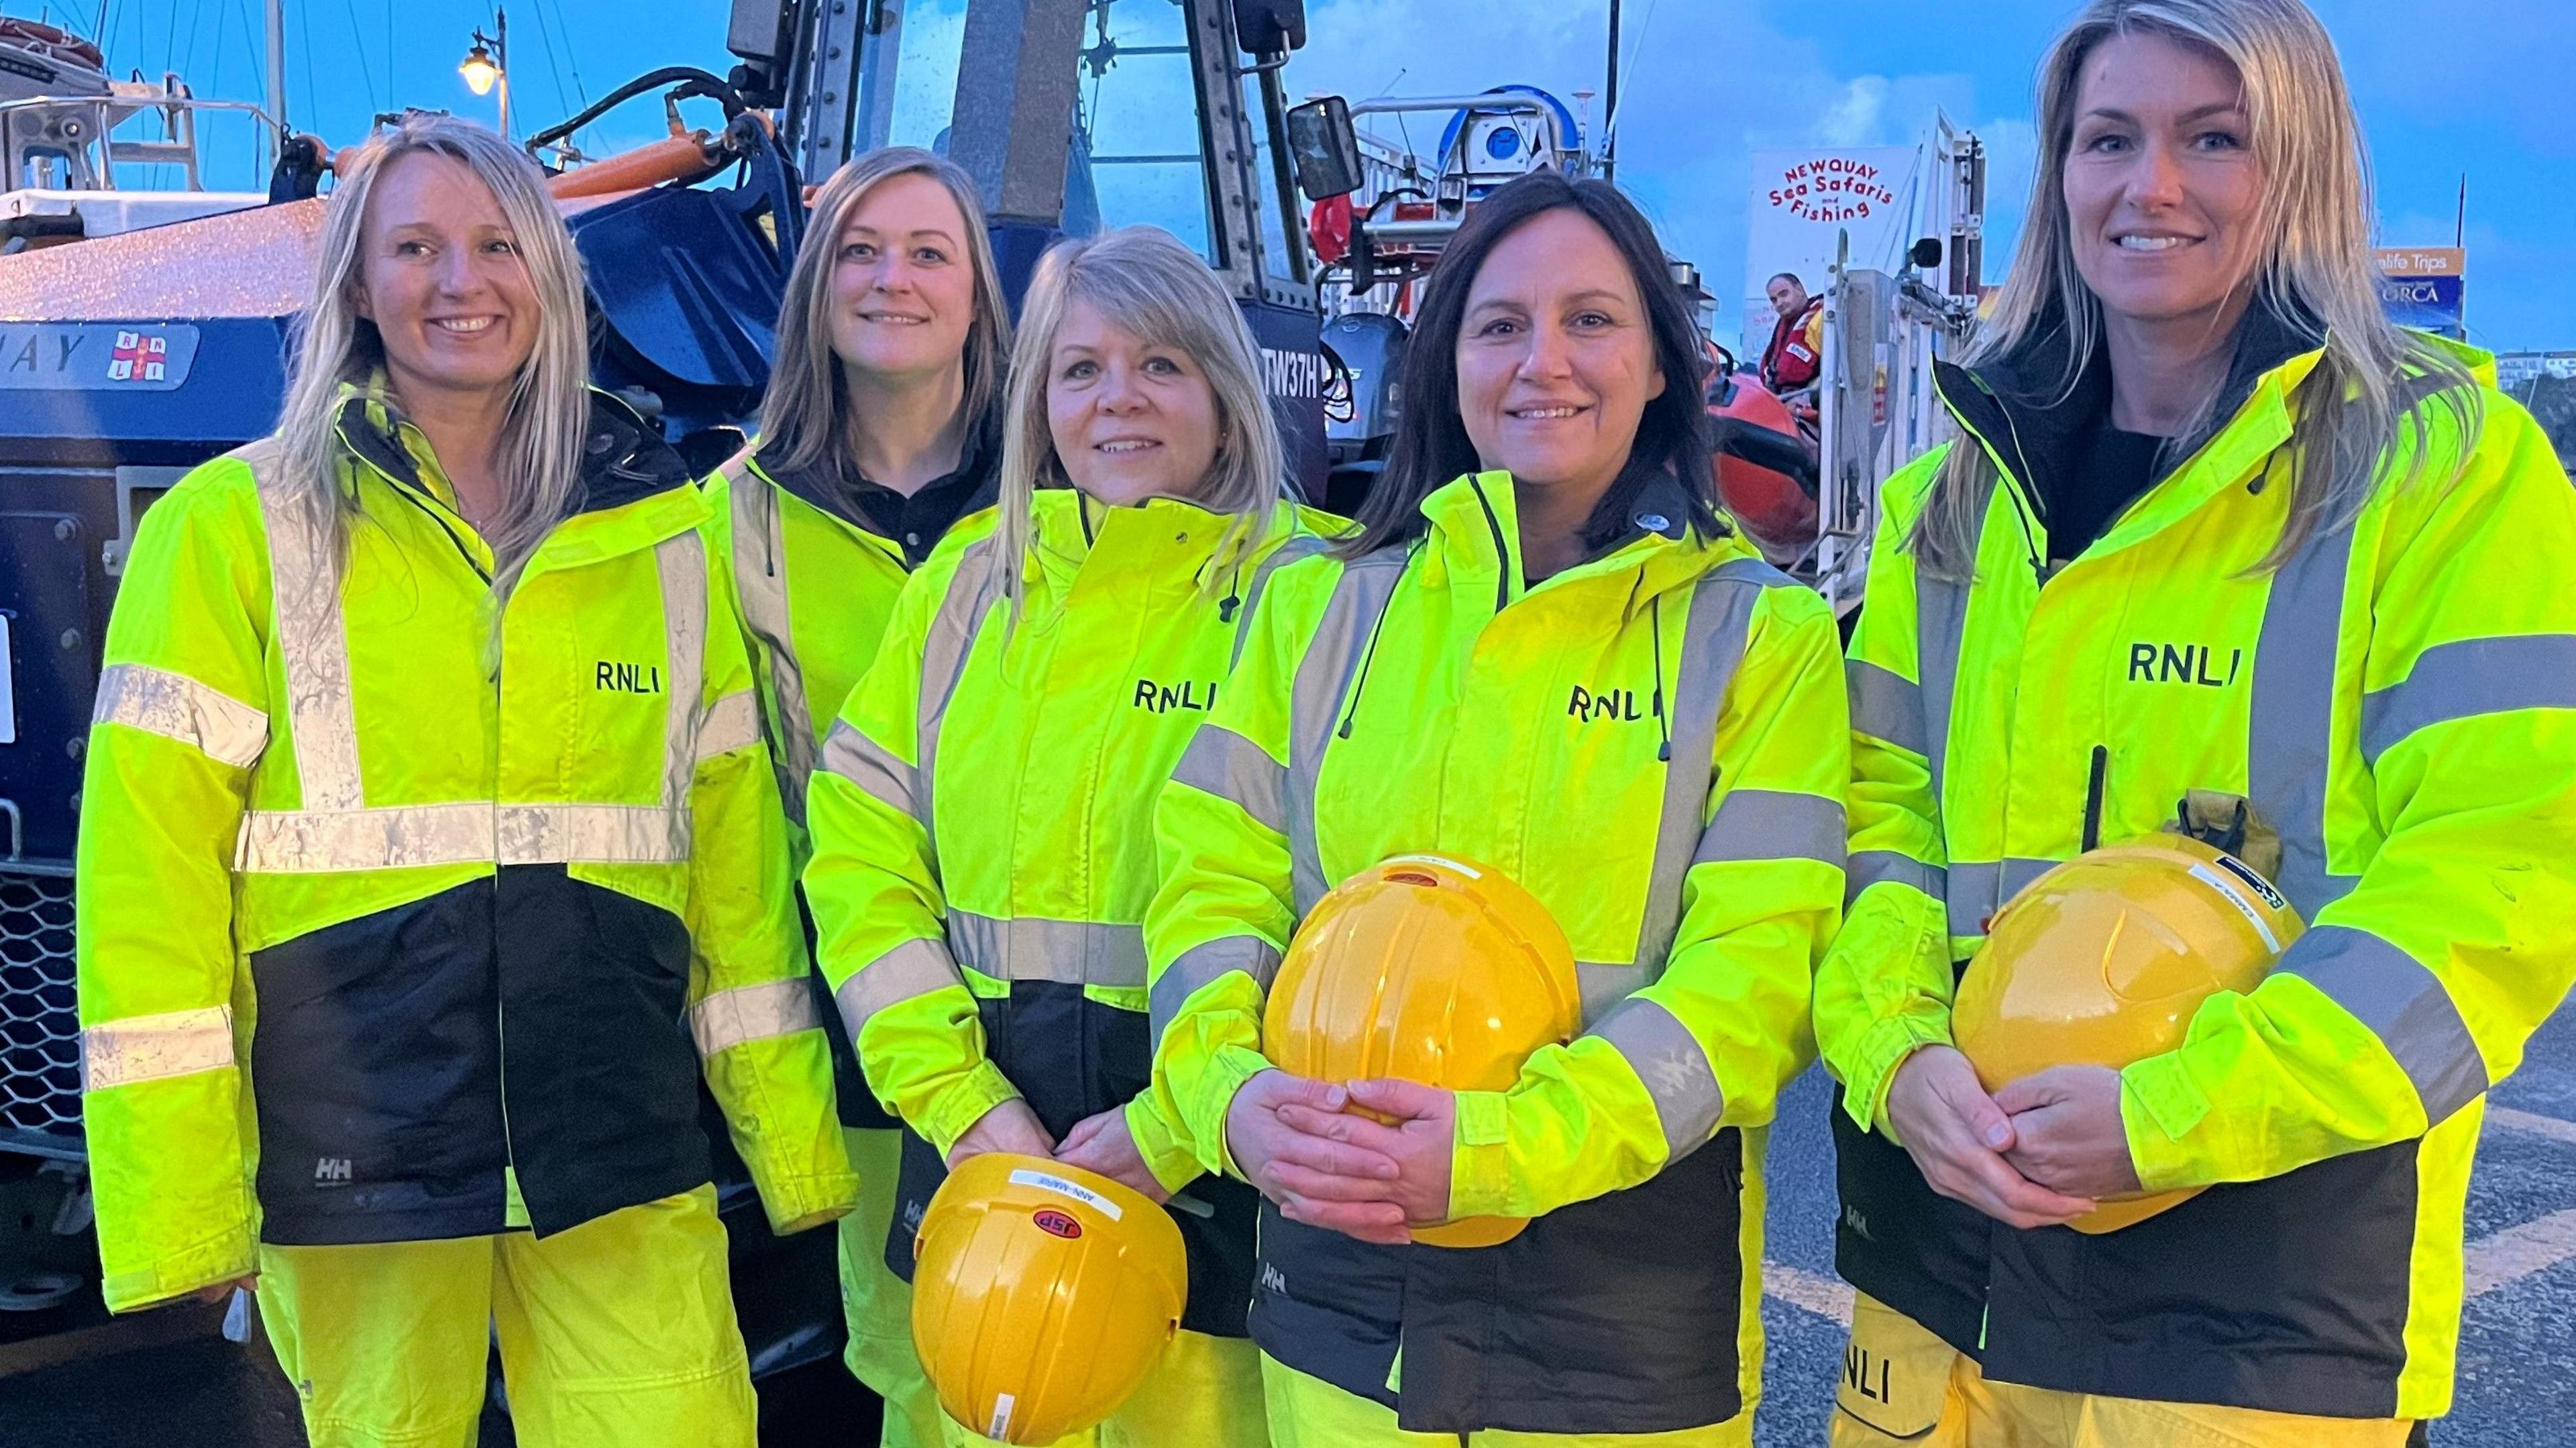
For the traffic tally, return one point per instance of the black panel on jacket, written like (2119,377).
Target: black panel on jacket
(1904,1243)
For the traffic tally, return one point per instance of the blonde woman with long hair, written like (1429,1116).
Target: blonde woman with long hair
(2219,551)
(983,817)
(881,429)
(396,983)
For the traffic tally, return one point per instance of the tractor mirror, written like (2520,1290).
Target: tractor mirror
(1269,27)
(1926,254)
(1325,148)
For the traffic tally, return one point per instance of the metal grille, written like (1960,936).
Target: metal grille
(39,1020)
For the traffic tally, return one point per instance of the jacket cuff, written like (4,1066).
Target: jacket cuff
(963,1103)
(1870,1067)
(795,1203)
(1161,1147)
(1222,1076)
(1480,1164)
(2160,1106)
(226,1257)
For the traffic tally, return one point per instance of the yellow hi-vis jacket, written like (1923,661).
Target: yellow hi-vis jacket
(816,581)
(403,919)
(1651,742)
(983,828)
(2395,702)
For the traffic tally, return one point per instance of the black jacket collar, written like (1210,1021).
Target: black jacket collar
(623,460)
(824,486)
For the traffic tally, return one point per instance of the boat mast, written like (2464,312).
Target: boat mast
(277,75)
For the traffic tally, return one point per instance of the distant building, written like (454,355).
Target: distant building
(2545,382)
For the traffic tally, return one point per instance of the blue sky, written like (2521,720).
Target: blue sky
(2467,86)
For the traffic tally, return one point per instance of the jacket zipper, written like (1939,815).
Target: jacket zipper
(1502,548)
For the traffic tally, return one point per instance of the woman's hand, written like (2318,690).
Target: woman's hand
(1103,1144)
(1959,1137)
(1314,1180)
(2067,1131)
(1010,1126)
(1420,1142)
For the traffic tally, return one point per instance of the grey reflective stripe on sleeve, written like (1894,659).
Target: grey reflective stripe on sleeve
(760,577)
(1231,767)
(1941,620)
(1603,984)
(971,591)
(174,706)
(2403,1003)
(1676,1071)
(1771,824)
(2290,730)
(1201,964)
(681,559)
(1713,638)
(153,1048)
(746,1013)
(1974,890)
(864,762)
(1072,952)
(1873,867)
(731,723)
(1360,598)
(1304,545)
(305,842)
(914,968)
(2466,678)
(313,645)
(1884,706)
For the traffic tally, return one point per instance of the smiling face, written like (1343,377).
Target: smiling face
(1131,419)
(1556,358)
(2162,188)
(903,284)
(441,277)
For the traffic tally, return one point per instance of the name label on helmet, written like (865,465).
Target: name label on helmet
(1614,706)
(2227,891)
(1048,1182)
(1164,698)
(2180,664)
(2253,881)
(1057,1224)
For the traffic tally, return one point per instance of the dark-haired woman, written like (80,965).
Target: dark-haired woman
(1545,653)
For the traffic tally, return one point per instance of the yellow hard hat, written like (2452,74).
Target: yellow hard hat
(1042,1295)
(2102,961)
(1430,969)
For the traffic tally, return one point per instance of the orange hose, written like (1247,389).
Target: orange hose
(672,158)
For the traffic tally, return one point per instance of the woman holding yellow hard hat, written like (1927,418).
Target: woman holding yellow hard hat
(2220,553)
(1547,656)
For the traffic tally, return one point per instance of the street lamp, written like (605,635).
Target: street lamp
(487,65)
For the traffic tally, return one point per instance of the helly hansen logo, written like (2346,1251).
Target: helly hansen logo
(1164,698)
(1272,1280)
(334,1171)
(1859,1224)
(611,678)
(1610,706)
(2182,664)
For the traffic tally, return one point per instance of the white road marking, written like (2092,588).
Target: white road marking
(2505,1118)
(1827,1297)
(2517,1252)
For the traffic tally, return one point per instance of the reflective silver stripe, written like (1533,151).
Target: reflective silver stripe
(761,580)
(151,1048)
(2403,1003)
(175,706)
(1075,952)
(2016,877)
(681,559)
(1941,620)
(731,723)
(2290,734)
(1603,984)
(1231,767)
(1771,824)
(1202,964)
(305,842)
(1885,706)
(2466,678)
(313,642)
(971,591)
(1676,1071)
(1975,890)
(730,1018)
(914,968)
(1324,675)
(864,762)
(1713,639)
(1874,867)
(1304,545)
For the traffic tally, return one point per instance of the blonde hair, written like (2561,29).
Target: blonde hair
(538,454)
(2375,381)
(1142,280)
(804,413)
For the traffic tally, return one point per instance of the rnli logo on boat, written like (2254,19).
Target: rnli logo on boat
(139,357)
(1057,1224)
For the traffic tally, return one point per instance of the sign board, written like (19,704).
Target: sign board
(2423,261)
(1802,203)
(2430,303)
(96,356)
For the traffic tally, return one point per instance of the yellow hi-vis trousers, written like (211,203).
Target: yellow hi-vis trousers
(877,1305)
(1205,1393)
(1903,1385)
(1307,1412)
(620,1331)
